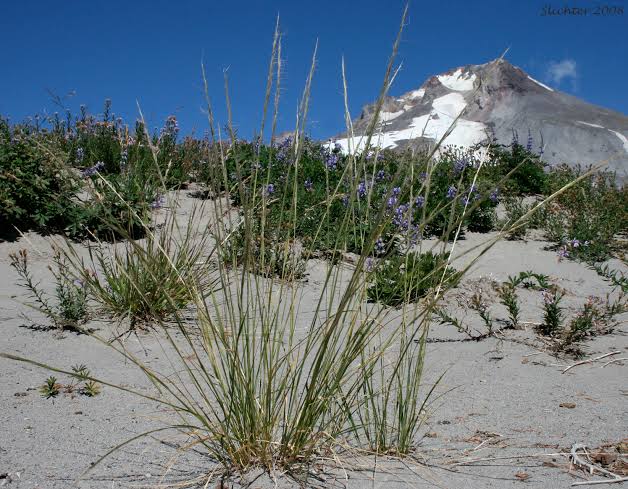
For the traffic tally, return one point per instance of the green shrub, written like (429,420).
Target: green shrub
(585,219)
(401,279)
(118,206)
(36,191)
(526,169)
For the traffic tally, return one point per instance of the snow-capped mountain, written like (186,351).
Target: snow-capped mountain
(496,99)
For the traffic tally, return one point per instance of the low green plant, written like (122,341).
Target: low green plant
(553,315)
(401,279)
(508,297)
(51,388)
(90,388)
(516,209)
(70,311)
(615,277)
(118,206)
(479,304)
(530,280)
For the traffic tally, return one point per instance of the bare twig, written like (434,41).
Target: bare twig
(614,361)
(591,360)
(577,460)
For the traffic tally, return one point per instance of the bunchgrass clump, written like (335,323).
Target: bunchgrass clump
(149,280)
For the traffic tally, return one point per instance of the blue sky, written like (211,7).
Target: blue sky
(150,52)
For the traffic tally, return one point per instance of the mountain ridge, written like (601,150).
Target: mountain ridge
(493,101)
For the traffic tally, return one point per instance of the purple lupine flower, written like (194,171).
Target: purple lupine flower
(270,189)
(380,246)
(345,200)
(78,283)
(563,252)
(159,202)
(337,147)
(369,264)
(362,190)
(419,201)
(171,128)
(515,138)
(451,192)
(400,218)
(460,164)
(308,185)
(494,195)
(92,170)
(283,149)
(381,175)
(332,161)
(414,235)
(124,155)
(392,201)
(396,191)
(80,153)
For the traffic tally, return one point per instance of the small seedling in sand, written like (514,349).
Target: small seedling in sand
(90,388)
(553,313)
(51,388)
(478,304)
(615,277)
(508,296)
(525,280)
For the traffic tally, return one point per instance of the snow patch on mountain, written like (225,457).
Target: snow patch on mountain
(591,125)
(414,94)
(434,125)
(623,139)
(541,84)
(458,81)
(389,116)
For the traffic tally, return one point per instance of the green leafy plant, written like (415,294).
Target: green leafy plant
(70,310)
(90,388)
(401,279)
(479,304)
(585,220)
(51,388)
(553,314)
(36,190)
(266,257)
(516,209)
(508,297)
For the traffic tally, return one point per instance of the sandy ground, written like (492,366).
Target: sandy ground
(498,414)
